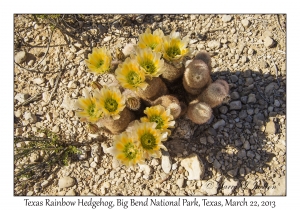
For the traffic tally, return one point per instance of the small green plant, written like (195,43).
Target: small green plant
(49,151)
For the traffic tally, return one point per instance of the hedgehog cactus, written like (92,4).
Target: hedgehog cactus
(196,77)
(215,93)
(199,112)
(169,102)
(156,88)
(204,56)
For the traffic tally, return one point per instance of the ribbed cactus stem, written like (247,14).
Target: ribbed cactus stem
(215,93)
(169,102)
(196,75)
(199,112)
(156,88)
(204,56)
(119,125)
(171,73)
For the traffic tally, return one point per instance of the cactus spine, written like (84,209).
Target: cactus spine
(199,112)
(215,93)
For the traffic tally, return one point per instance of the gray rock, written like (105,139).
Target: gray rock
(21,97)
(180,182)
(234,78)
(246,145)
(210,187)
(243,114)
(242,172)
(233,172)
(235,105)
(210,140)
(234,95)
(66,182)
(166,162)
(244,99)
(249,81)
(30,117)
(269,42)
(20,57)
(195,167)
(277,103)
(270,87)
(219,124)
(203,140)
(217,164)
(247,73)
(250,154)
(245,23)
(229,185)
(259,119)
(226,18)
(223,109)
(270,127)
(251,98)
(241,154)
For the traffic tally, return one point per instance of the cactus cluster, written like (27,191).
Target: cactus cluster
(142,107)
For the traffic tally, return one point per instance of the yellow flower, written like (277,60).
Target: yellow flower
(149,138)
(90,110)
(174,49)
(126,150)
(130,75)
(99,61)
(154,41)
(160,116)
(150,62)
(111,101)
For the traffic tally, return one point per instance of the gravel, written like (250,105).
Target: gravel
(232,148)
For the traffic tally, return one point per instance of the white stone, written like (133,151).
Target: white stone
(269,42)
(229,185)
(66,182)
(226,18)
(245,22)
(129,49)
(71,192)
(46,96)
(21,97)
(20,57)
(193,164)
(38,81)
(180,182)
(30,117)
(279,188)
(55,129)
(214,44)
(18,113)
(106,39)
(68,103)
(72,85)
(166,162)
(146,169)
(154,162)
(210,187)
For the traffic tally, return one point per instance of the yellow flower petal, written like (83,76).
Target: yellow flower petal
(99,61)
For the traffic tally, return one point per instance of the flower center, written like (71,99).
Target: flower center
(130,151)
(133,78)
(173,51)
(91,110)
(99,64)
(152,45)
(148,66)
(148,141)
(159,121)
(111,105)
